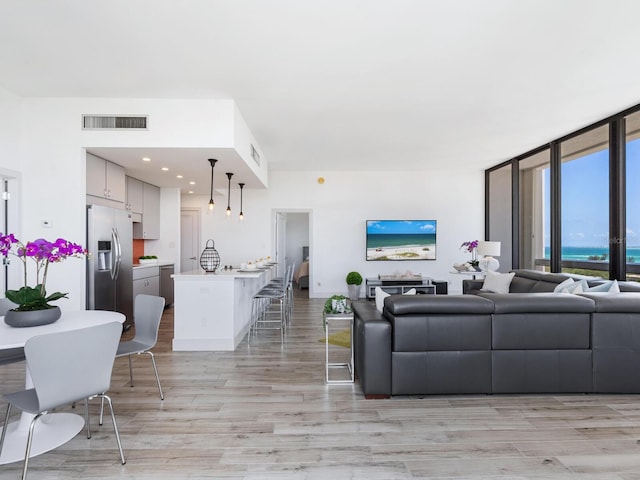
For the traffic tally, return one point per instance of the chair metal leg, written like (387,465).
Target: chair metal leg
(4,427)
(86,417)
(283,321)
(115,426)
(130,371)
(101,420)
(155,369)
(32,425)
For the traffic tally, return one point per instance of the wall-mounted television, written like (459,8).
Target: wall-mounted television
(401,239)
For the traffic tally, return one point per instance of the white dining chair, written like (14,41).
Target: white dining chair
(9,355)
(147,314)
(66,367)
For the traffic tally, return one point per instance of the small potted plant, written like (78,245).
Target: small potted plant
(354,282)
(148,259)
(336,304)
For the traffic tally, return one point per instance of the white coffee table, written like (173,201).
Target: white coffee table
(54,429)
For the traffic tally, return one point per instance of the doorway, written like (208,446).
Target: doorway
(9,223)
(189,239)
(293,246)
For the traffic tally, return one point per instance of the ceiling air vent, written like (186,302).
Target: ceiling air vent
(255,155)
(111,122)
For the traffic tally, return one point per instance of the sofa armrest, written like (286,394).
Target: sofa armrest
(471,286)
(372,350)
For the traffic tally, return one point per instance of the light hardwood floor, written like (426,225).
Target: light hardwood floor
(265,412)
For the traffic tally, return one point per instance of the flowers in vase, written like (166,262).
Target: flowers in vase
(42,253)
(471,247)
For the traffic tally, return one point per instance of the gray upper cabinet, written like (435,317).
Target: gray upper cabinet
(149,228)
(105,179)
(135,199)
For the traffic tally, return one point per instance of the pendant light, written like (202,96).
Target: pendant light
(212,161)
(241,216)
(229,175)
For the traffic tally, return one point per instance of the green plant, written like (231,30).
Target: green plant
(354,278)
(43,253)
(148,257)
(328,305)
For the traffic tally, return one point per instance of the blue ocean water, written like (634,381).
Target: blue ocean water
(399,239)
(583,253)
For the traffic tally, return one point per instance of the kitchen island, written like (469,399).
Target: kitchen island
(212,311)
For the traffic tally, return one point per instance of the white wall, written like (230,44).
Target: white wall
(51,158)
(340,208)
(243,140)
(52,161)
(9,130)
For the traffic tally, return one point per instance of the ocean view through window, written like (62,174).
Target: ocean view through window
(577,199)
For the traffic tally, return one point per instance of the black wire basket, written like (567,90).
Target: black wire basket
(210,259)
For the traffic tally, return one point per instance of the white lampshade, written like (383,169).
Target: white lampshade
(491,249)
(488,250)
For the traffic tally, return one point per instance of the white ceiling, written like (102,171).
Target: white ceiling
(344,84)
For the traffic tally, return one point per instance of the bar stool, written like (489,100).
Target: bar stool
(270,307)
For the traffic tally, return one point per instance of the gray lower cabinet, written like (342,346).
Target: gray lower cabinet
(146,280)
(166,284)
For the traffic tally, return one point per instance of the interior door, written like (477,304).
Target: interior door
(189,240)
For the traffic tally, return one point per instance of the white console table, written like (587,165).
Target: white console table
(398,287)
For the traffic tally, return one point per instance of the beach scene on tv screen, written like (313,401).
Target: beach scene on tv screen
(401,239)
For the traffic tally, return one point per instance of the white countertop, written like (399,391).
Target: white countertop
(219,275)
(160,263)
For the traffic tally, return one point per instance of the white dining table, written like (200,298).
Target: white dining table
(53,429)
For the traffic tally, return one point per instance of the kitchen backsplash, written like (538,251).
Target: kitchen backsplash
(138,250)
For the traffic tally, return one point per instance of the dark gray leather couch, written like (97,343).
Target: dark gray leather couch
(528,341)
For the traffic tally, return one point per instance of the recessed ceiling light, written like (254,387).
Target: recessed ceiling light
(146,159)
(178,176)
(190,191)
(192,182)
(165,169)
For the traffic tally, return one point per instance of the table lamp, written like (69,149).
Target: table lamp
(488,250)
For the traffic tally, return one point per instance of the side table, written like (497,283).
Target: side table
(331,318)
(472,274)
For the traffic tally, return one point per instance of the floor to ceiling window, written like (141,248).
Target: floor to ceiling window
(632,243)
(534,204)
(585,203)
(578,201)
(500,226)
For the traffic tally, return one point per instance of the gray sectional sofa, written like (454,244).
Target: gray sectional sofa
(527,341)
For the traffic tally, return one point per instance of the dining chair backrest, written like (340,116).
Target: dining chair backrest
(5,306)
(147,313)
(69,366)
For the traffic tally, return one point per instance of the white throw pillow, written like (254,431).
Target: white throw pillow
(497,282)
(561,286)
(608,287)
(381,295)
(577,287)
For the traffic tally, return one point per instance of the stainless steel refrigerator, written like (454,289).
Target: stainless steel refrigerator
(110,261)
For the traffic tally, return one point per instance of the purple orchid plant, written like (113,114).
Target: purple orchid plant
(43,253)
(471,247)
